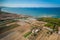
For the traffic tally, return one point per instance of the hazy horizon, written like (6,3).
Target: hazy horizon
(30,3)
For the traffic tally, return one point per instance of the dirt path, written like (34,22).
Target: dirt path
(54,36)
(42,35)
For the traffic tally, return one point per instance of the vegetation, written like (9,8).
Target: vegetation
(50,20)
(49,25)
(27,34)
(53,23)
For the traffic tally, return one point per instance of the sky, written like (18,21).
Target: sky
(30,3)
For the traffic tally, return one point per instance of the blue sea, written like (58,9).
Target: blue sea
(36,12)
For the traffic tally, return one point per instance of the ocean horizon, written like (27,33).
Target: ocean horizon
(36,12)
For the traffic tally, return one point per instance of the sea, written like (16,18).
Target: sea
(36,12)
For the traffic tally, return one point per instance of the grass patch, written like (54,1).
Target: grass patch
(27,34)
